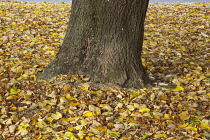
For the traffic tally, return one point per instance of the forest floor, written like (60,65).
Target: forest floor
(176,50)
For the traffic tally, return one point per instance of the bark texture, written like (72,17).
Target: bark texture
(103,41)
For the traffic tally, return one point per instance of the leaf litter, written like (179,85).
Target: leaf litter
(176,50)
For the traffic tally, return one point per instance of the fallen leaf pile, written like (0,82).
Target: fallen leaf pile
(176,54)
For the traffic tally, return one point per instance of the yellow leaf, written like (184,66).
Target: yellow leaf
(184,116)
(166,116)
(19,69)
(21,109)
(90,134)
(134,94)
(202,26)
(71,128)
(110,124)
(132,132)
(198,68)
(73,104)
(60,36)
(68,134)
(66,89)
(178,88)
(179,107)
(114,134)
(192,128)
(88,114)
(54,33)
(68,96)
(70,119)
(81,137)
(144,110)
(57,116)
(122,117)
(151,25)
(133,121)
(183,125)
(196,135)
(13,108)
(192,63)
(101,128)
(34,77)
(180,6)
(125,138)
(161,136)
(163,98)
(185,65)
(14,91)
(49,119)
(144,137)
(87,138)
(202,77)
(205,124)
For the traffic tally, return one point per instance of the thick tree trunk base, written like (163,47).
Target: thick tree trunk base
(104,42)
(122,79)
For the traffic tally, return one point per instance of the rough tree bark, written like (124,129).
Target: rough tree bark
(103,41)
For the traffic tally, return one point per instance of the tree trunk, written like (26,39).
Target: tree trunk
(104,42)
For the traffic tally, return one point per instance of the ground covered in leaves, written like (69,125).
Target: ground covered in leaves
(176,50)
